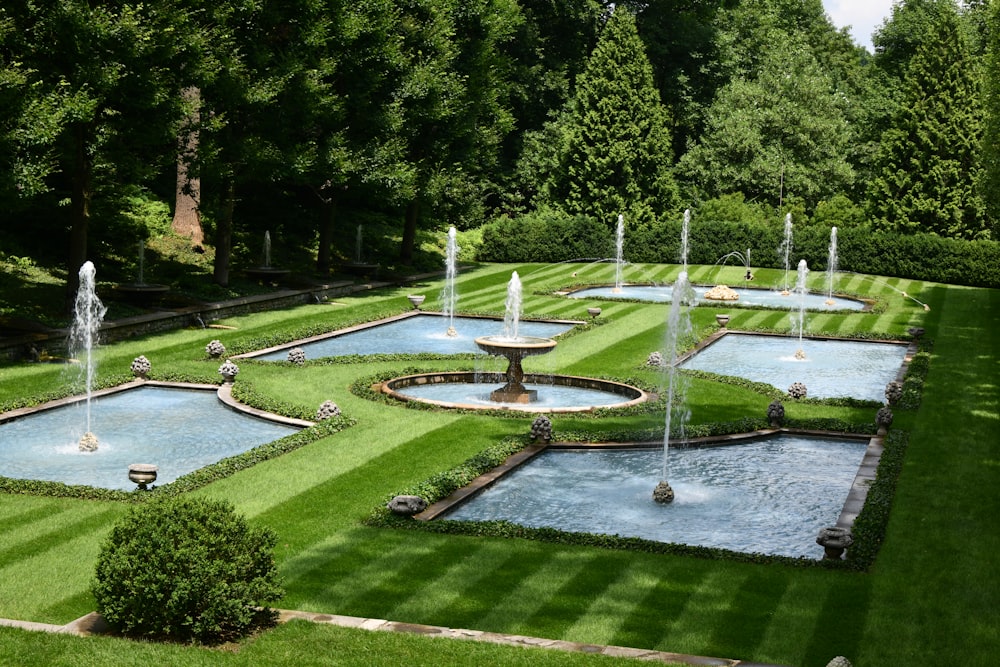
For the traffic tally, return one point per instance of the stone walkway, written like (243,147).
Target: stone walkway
(93,624)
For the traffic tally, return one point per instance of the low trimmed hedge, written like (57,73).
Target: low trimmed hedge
(547,237)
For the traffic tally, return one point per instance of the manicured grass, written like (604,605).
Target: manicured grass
(928,599)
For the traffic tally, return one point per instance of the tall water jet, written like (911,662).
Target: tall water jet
(619,249)
(514,348)
(267,250)
(684,238)
(831,266)
(357,246)
(88,313)
(799,319)
(449,298)
(786,248)
(512,307)
(678,328)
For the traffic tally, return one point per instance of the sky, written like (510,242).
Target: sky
(864,16)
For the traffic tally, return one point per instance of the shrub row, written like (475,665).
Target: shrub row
(550,236)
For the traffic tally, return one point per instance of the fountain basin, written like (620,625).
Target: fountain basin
(555,393)
(829,368)
(745,296)
(763,495)
(414,332)
(178,429)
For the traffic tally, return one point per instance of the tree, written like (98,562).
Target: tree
(774,134)
(928,161)
(614,155)
(97,77)
(990,184)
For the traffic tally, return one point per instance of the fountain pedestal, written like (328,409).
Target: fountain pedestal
(514,349)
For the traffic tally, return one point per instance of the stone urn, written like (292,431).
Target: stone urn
(834,541)
(407,505)
(142,474)
(416,300)
(228,371)
(883,420)
(541,429)
(722,319)
(776,414)
(141,367)
(594,312)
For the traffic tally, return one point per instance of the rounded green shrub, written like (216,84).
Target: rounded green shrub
(186,569)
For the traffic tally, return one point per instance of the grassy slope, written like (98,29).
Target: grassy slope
(929,596)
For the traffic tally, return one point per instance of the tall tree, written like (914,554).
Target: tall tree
(990,184)
(615,153)
(773,135)
(99,111)
(928,161)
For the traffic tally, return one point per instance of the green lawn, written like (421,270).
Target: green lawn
(929,599)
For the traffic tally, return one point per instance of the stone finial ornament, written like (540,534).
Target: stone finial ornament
(215,349)
(883,420)
(655,359)
(141,366)
(776,413)
(228,371)
(839,661)
(407,505)
(541,429)
(326,410)
(893,392)
(297,355)
(797,390)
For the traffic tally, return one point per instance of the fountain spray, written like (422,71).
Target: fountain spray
(449,298)
(831,266)
(267,250)
(619,247)
(512,308)
(678,328)
(786,247)
(684,238)
(88,313)
(800,321)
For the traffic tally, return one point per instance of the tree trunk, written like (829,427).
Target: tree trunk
(80,196)
(224,234)
(326,227)
(187,193)
(409,232)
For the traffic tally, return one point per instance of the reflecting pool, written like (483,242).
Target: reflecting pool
(767,496)
(830,368)
(412,335)
(749,296)
(178,430)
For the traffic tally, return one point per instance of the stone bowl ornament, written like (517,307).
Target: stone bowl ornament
(834,541)
(142,474)
(416,300)
(839,661)
(655,359)
(883,420)
(407,505)
(722,320)
(893,392)
(215,349)
(776,413)
(541,429)
(326,410)
(594,311)
(797,390)
(141,367)
(297,355)
(228,371)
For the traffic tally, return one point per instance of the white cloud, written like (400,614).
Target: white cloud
(863,17)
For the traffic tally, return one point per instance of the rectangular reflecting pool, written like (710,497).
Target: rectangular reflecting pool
(829,368)
(421,333)
(768,496)
(178,430)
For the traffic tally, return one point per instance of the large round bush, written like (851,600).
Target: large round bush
(188,570)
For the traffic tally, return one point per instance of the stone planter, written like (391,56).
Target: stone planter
(723,320)
(416,300)
(594,312)
(142,474)
(834,541)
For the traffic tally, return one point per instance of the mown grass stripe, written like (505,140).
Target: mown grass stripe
(648,622)
(603,615)
(741,628)
(57,532)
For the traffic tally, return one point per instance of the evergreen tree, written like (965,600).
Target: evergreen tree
(614,154)
(991,128)
(928,164)
(773,134)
